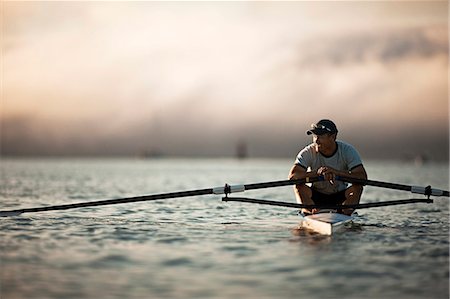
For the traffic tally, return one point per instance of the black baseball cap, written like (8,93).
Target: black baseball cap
(324,126)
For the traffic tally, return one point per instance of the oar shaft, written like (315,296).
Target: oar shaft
(218,190)
(334,207)
(282,183)
(413,189)
(109,202)
(390,203)
(227,190)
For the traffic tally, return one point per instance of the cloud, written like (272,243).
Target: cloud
(120,78)
(387,46)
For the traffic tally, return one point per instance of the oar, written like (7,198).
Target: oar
(333,207)
(413,189)
(107,202)
(227,189)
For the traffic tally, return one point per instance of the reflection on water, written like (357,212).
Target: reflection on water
(201,247)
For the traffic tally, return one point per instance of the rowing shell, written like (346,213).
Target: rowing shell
(326,222)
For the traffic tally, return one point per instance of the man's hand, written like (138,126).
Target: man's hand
(328,173)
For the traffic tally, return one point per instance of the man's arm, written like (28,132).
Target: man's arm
(359,172)
(330,173)
(297,173)
(302,192)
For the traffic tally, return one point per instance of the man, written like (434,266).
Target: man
(327,157)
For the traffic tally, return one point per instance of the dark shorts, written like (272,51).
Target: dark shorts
(328,199)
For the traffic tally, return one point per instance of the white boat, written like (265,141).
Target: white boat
(326,222)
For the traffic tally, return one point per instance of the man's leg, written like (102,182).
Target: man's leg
(352,197)
(303,195)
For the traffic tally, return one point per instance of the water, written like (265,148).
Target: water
(201,247)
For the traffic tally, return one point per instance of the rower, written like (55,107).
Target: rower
(329,158)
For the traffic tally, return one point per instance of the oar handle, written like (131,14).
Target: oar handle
(413,189)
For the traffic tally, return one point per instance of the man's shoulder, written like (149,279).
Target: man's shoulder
(307,152)
(347,149)
(309,148)
(344,145)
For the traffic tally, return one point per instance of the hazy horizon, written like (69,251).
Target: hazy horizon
(195,79)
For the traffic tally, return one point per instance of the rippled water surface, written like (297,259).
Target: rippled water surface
(201,247)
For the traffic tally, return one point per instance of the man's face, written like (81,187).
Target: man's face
(324,141)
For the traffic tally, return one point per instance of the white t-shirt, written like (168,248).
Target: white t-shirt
(345,158)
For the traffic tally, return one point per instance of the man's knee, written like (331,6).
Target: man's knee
(354,191)
(357,188)
(303,193)
(303,189)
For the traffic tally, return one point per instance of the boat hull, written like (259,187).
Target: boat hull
(326,223)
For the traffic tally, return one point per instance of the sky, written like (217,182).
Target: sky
(194,79)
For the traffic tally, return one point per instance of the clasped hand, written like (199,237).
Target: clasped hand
(328,173)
